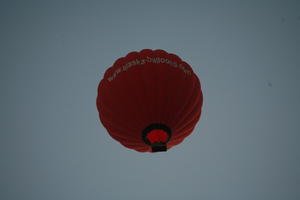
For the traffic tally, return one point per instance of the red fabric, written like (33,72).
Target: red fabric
(157,136)
(149,87)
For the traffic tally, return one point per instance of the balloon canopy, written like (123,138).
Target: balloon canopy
(150,100)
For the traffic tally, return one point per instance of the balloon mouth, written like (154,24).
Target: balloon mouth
(157,136)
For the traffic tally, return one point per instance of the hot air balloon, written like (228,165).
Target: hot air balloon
(150,100)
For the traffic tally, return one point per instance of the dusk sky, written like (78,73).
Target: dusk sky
(54,53)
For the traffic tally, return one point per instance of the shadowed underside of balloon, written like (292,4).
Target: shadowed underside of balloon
(149,101)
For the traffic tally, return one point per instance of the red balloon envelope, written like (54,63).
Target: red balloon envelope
(150,100)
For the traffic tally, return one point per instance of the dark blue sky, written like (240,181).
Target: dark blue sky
(54,53)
